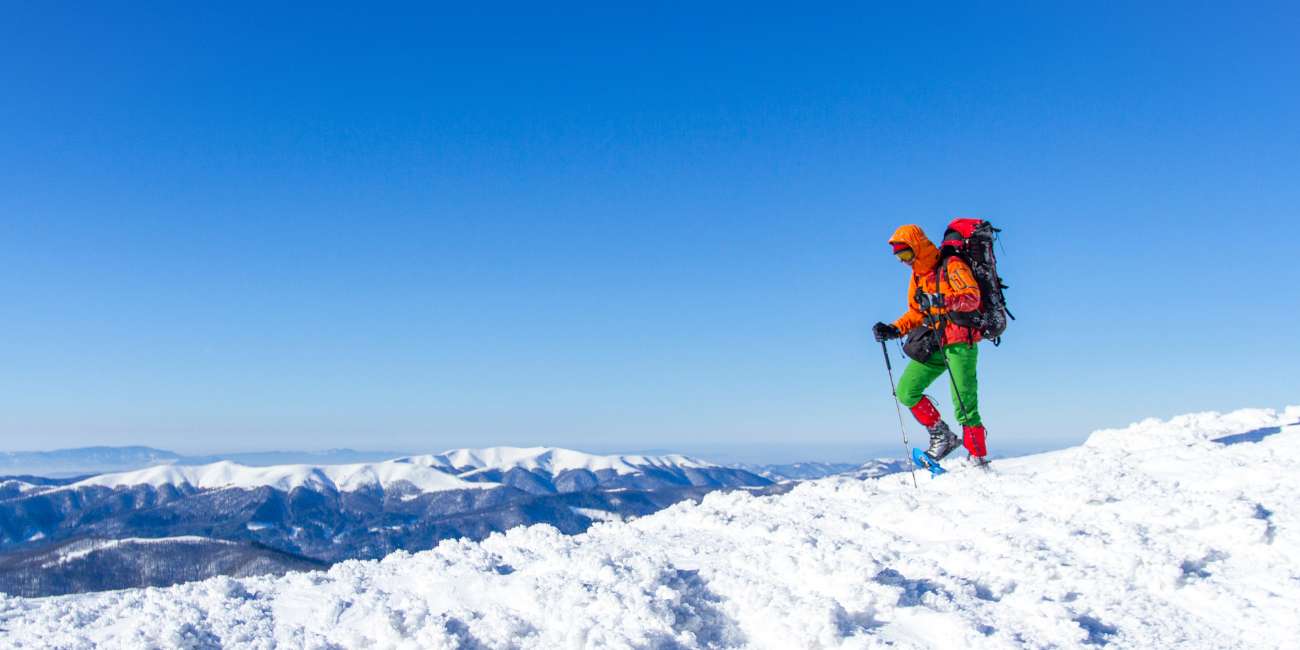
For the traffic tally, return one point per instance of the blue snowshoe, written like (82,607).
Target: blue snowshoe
(942,442)
(923,461)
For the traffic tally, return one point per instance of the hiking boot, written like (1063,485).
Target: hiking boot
(942,441)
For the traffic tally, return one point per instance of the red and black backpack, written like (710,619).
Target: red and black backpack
(971,241)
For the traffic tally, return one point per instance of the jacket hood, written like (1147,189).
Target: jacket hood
(927,255)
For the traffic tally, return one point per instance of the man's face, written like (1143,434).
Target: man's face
(905,255)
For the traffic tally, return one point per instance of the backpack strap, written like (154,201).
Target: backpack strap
(938,291)
(941,326)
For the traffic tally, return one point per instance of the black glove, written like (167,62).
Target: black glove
(885,331)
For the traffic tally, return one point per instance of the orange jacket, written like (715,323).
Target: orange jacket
(956,284)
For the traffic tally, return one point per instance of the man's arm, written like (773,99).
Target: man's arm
(913,316)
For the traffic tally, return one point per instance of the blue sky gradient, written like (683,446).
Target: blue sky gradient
(236,227)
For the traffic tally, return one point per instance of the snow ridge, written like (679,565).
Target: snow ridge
(550,459)
(1184,533)
(428,473)
(340,478)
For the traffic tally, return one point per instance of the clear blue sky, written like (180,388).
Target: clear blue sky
(239,227)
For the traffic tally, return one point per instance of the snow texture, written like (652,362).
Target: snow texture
(1176,534)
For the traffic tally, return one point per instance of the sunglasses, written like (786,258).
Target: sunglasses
(906,255)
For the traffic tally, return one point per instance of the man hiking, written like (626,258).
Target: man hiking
(942,289)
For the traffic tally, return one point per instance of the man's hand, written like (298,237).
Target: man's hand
(885,331)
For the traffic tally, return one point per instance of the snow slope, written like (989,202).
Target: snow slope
(1177,534)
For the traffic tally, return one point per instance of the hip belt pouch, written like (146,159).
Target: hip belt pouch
(921,344)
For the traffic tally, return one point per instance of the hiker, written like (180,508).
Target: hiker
(942,293)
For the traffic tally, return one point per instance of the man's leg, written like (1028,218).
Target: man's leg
(962,362)
(911,392)
(916,378)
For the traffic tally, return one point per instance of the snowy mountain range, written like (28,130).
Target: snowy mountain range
(539,470)
(285,517)
(1165,534)
(88,461)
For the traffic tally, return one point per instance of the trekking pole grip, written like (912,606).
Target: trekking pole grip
(885,349)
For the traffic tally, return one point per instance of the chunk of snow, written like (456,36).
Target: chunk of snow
(1192,428)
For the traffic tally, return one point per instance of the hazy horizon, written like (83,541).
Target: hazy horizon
(763,454)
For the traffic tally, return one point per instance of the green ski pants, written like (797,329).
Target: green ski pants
(962,358)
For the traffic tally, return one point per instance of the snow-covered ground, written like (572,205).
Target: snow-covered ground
(1177,534)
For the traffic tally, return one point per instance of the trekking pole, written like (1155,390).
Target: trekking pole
(907,447)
